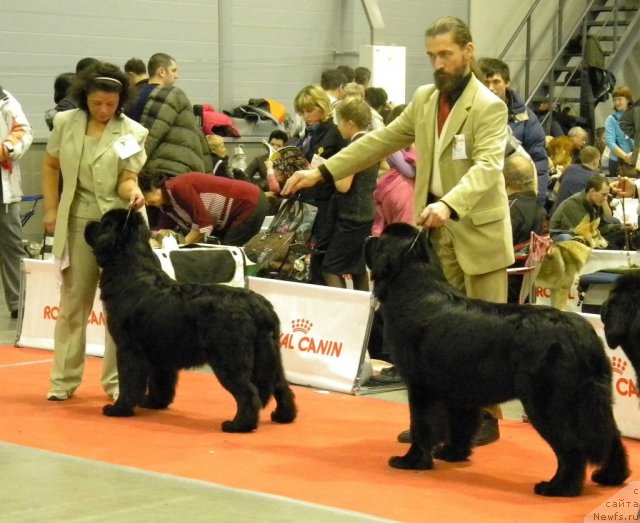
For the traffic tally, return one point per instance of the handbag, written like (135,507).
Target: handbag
(291,225)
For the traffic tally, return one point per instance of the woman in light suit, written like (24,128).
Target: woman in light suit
(99,152)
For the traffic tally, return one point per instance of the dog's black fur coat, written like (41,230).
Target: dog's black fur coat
(621,318)
(161,326)
(464,354)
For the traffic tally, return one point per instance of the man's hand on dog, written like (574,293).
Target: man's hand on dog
(434,215)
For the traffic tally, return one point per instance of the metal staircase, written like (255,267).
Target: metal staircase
(583,34)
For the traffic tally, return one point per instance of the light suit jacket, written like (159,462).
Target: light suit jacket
(473,186)
(66,143)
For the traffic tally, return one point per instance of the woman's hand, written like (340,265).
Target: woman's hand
(136,199)
(49,221)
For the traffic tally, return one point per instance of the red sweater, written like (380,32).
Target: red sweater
(207,203)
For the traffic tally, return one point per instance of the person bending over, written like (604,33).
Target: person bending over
(205,205)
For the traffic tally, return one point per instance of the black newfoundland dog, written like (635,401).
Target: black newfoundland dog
(621,319)
(161,326)
(458,355)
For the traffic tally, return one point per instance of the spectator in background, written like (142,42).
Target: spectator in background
(619,143)
(560,151)
(630,125)
(351,207)
(163,72)
(523,122)
(176,143)
(219,156)
(333,82)
(593,202)
(67,102)
(136,71)
(203,205)
(393,196)
(15,139)
(377,98)
(601,144)
(363,77)
(576,175)
(61,87)
(348,72)
(527,214)
(321,141)
(260,166)
(579,138)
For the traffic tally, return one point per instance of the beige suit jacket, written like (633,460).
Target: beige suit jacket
(66,144)
(473,186)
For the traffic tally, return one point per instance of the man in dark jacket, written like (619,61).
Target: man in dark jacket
(176,143)
(523,122)
(527,214)
(575,177)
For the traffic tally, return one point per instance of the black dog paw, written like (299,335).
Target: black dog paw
(555,489)
(609,477)
(402,462)
(230,426)
(116,411)
(283,415)
(451,454)
(151,403)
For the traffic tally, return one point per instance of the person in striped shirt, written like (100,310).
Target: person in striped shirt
(202,205)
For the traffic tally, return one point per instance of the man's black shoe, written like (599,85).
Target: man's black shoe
(488,431)
(405,437)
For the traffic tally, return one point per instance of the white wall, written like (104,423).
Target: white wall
(251,48)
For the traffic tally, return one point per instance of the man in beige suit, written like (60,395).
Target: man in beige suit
(461,196)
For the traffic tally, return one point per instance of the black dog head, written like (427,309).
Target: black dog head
(619,312)
(116,235)
(400,247)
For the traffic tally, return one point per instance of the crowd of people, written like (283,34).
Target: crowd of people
(465,158)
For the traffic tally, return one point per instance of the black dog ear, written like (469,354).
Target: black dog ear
(370,248)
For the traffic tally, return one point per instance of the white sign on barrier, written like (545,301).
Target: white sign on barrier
(323,329)
(40,306)
(323,332)
(626,407)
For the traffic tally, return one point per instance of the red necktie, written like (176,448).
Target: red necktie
(443,111)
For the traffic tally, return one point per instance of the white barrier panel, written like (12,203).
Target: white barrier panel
(626,407)
(323,332)
(40,301)
(323,329)
(599,259)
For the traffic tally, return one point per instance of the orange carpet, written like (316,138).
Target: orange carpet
(335,454)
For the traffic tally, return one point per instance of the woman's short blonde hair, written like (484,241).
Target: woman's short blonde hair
(356,110)
(313,96)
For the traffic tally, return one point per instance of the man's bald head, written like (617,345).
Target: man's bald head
(519,174)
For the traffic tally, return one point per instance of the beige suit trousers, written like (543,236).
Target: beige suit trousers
(490,287)
(77,293)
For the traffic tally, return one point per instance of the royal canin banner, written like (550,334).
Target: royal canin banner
(324,330)
(624,385)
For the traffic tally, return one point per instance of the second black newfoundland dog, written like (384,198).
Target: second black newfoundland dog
(458,355)
(160,326)
(621,316)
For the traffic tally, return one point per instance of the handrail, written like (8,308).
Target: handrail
(517,31)
(558,54)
